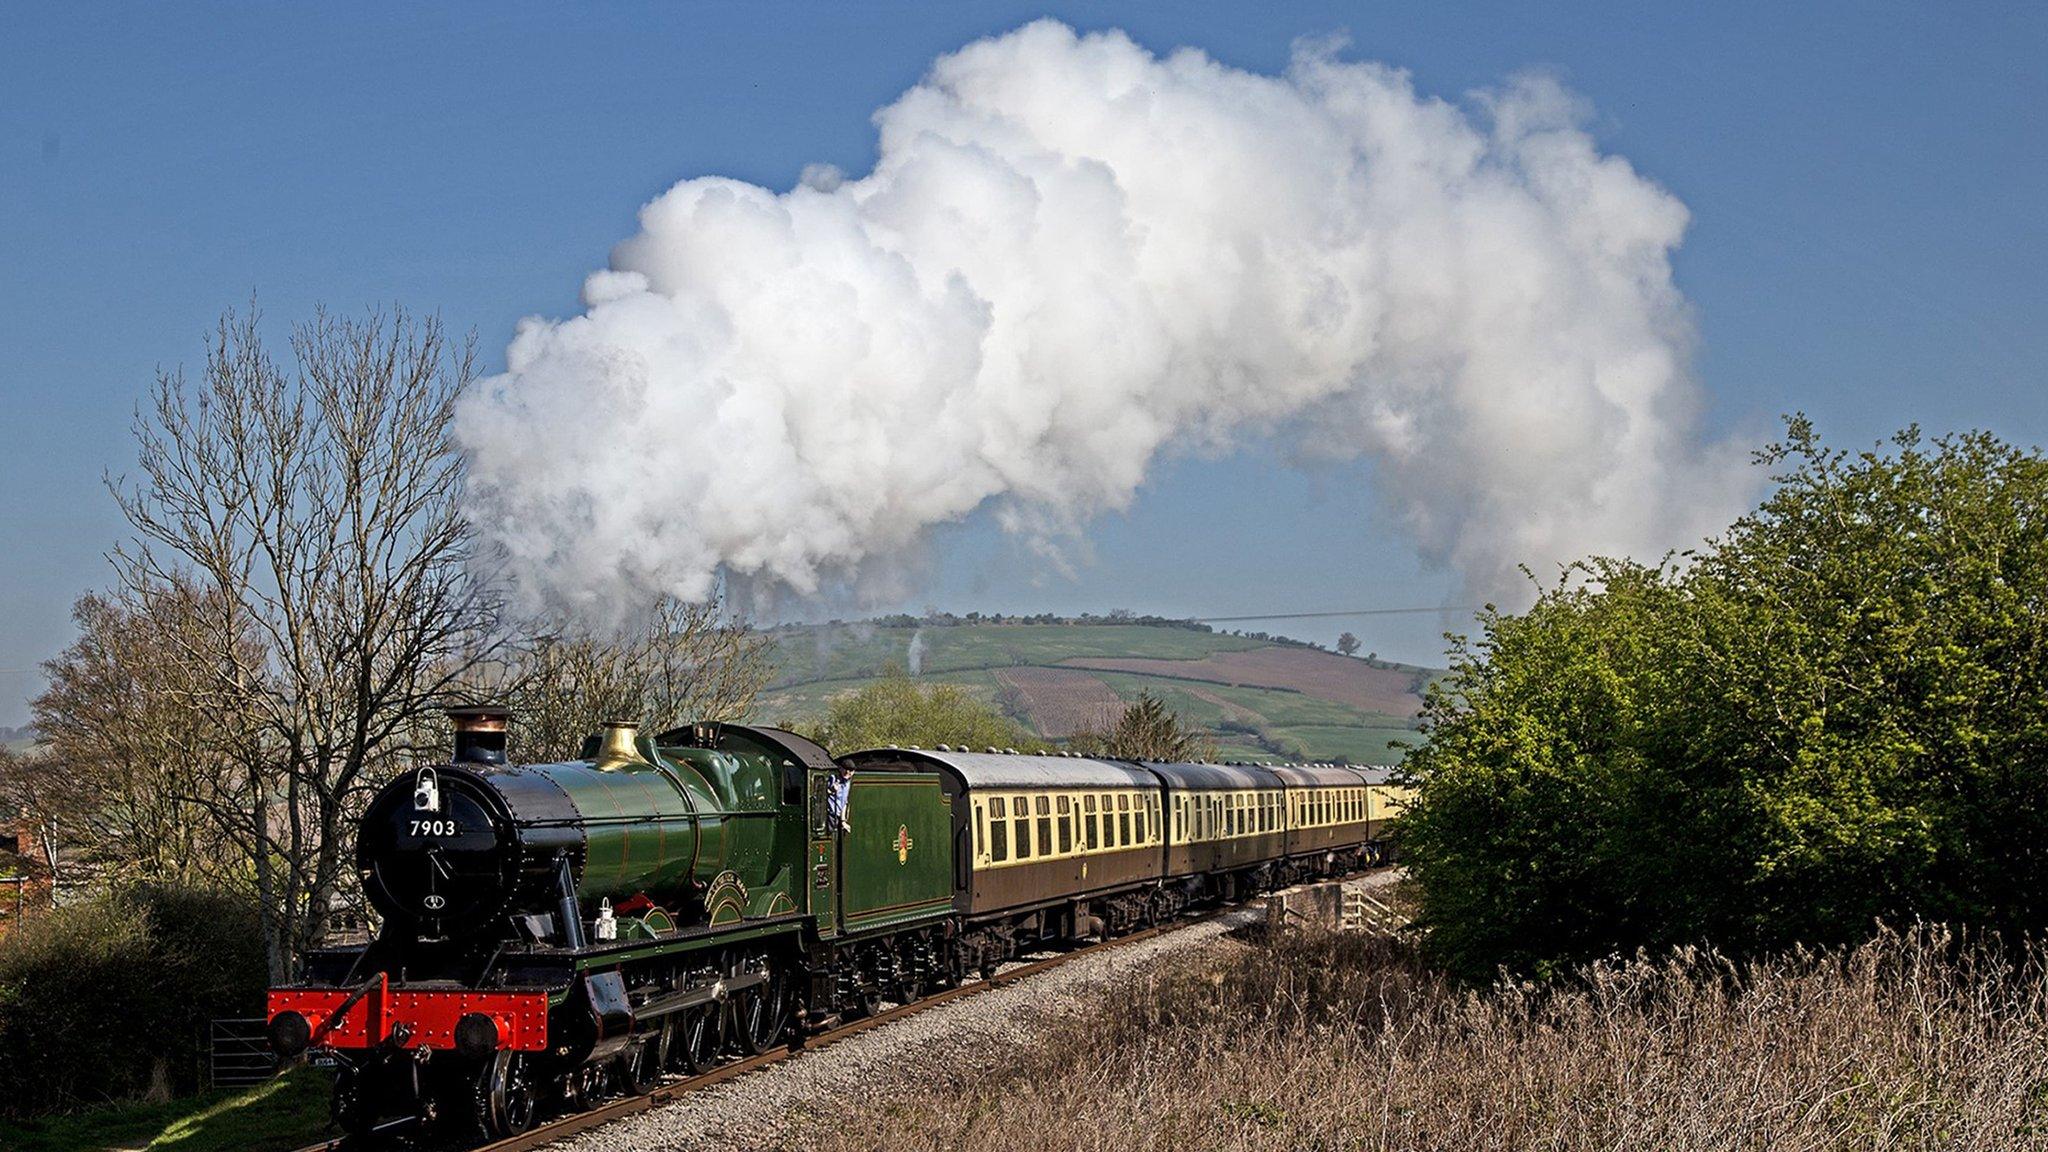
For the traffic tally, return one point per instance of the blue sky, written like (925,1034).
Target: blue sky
(1867,186)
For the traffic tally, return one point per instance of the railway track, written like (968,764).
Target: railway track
(675,1087)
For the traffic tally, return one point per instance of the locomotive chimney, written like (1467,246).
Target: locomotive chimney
(619,747)
(480,733)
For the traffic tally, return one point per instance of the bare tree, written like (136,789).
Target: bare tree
(685,662)
(139,764)
(1347,644)
(315,511)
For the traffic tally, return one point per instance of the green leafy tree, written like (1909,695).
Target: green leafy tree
(1836,712)
(1146,729)
(901,711)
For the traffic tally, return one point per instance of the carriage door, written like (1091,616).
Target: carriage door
(823,864)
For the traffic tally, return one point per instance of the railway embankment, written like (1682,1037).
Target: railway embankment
(1209,1039)
(922,1060)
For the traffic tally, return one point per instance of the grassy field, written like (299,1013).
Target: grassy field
(1299,703)
(1321,1041)
(289,1112)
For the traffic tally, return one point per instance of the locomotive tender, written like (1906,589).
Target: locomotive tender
(554,933)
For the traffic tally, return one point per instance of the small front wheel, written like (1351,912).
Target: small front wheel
(504,1097)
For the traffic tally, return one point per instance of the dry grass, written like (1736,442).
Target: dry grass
(1914,1040)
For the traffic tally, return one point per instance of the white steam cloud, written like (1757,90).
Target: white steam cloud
(1072,255)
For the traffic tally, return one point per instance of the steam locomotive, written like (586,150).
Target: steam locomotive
(553,934)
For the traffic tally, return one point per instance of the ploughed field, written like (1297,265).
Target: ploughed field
(1258,699)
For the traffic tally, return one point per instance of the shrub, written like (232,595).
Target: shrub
(1831,715)
(110,999)
(898,710)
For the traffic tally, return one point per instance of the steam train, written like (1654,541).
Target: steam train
(553,934)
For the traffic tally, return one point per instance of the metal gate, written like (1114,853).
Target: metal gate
(239,1054)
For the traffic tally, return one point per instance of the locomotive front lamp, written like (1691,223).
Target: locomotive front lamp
(426,791)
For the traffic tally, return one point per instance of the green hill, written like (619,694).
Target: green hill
(1259,697)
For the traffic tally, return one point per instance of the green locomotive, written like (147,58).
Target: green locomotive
(556,933)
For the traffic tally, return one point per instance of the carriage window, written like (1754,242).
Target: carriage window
(1123,819)
(1152,818)
(981,826)
(1043,844)
(998,834)
(1020,825)
(1066,826)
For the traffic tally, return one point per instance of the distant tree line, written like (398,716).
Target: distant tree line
(897,710)
(1835,713)
(934,618)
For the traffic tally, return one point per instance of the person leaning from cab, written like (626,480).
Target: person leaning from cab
(836,795)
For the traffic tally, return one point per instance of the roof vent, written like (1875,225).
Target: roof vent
(1009,751)
(991,749)
(945,747)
